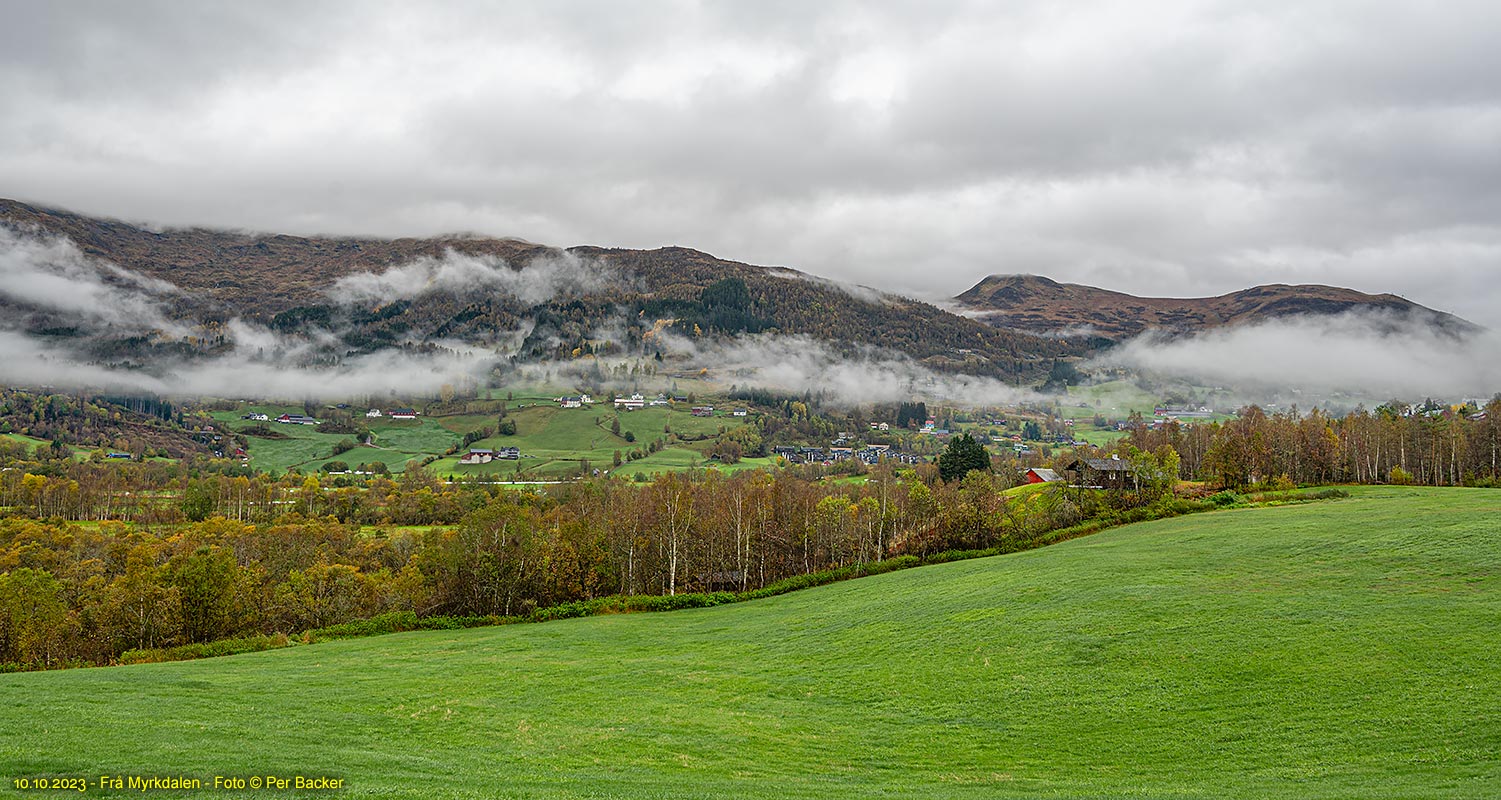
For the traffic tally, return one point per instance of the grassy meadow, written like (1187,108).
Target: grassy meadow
(553,440)
(1339,649)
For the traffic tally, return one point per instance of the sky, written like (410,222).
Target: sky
(1161,148)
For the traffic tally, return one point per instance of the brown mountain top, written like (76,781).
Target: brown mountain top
(1040,305)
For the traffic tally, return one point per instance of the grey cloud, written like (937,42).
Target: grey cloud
(1172,149)
(246,372)
(538,281)
(1363,355)
(869,375)
(52,273)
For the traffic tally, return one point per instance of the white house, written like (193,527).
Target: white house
(374,412)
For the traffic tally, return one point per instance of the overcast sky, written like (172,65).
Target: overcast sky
(1155,147)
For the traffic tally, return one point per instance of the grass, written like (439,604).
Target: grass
(1341,649)
(307,448)
(553,440)
(31,442)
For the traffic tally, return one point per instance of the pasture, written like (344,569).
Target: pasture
(1337,649)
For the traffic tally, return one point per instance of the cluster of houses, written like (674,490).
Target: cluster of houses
(1183,412)
(481,455)
(1086,473)
(870,455)
(395,413)
(638,401)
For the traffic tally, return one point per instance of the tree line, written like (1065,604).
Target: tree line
(1394,443)
(86,594)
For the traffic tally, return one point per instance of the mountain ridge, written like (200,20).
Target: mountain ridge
(1041,305)
(285,282)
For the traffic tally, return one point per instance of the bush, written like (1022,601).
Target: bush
(222,647)
(1226,498)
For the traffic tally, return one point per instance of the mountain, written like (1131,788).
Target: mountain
(1040,305)
(371,294)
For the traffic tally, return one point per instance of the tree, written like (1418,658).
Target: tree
(963,455)
(207,584)
(35,625)
(197,501)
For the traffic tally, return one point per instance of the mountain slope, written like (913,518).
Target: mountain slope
(1345,648)
(293,284)
(1040,305)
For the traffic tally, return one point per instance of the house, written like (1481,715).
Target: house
(508,453)
(659,400)
(841,453)
(403,413)
(374,412)
(703,411)
(1100,473)
(571,402)
(722,581)
(478,455)
(296,419)
(1041,475)
(632,403)
(118,455)
(740,412)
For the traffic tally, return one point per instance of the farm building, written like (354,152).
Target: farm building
(703,411)
(296,419)
(1100,473)
(478,456)
(403,413)
(1041,475)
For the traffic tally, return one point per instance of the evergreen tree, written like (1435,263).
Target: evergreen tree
(962,456)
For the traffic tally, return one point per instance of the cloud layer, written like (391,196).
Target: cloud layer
(539,281)
(1370,356)
(1176,148)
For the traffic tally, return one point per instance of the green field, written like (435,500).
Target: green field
(553,440)
(307,448)
(1345,648)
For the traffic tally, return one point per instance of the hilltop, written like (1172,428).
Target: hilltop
(1041,305)
(1337,649)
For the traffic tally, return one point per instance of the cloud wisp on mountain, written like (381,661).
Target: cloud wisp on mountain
(1366,354)
(541,279)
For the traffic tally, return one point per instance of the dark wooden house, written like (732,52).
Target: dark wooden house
(1100,473)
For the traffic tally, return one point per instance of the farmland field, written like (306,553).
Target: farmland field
(1340,649)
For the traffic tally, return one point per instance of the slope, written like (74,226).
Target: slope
(284,282)
(1343,649)
(1041,305)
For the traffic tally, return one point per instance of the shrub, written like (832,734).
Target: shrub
(222,647)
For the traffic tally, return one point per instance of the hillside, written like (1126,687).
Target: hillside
(1041,305)
(559,299)
(1341,649)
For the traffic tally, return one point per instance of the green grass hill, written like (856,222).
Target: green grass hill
(1340,649)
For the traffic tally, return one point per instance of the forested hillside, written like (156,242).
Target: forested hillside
(447,288)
